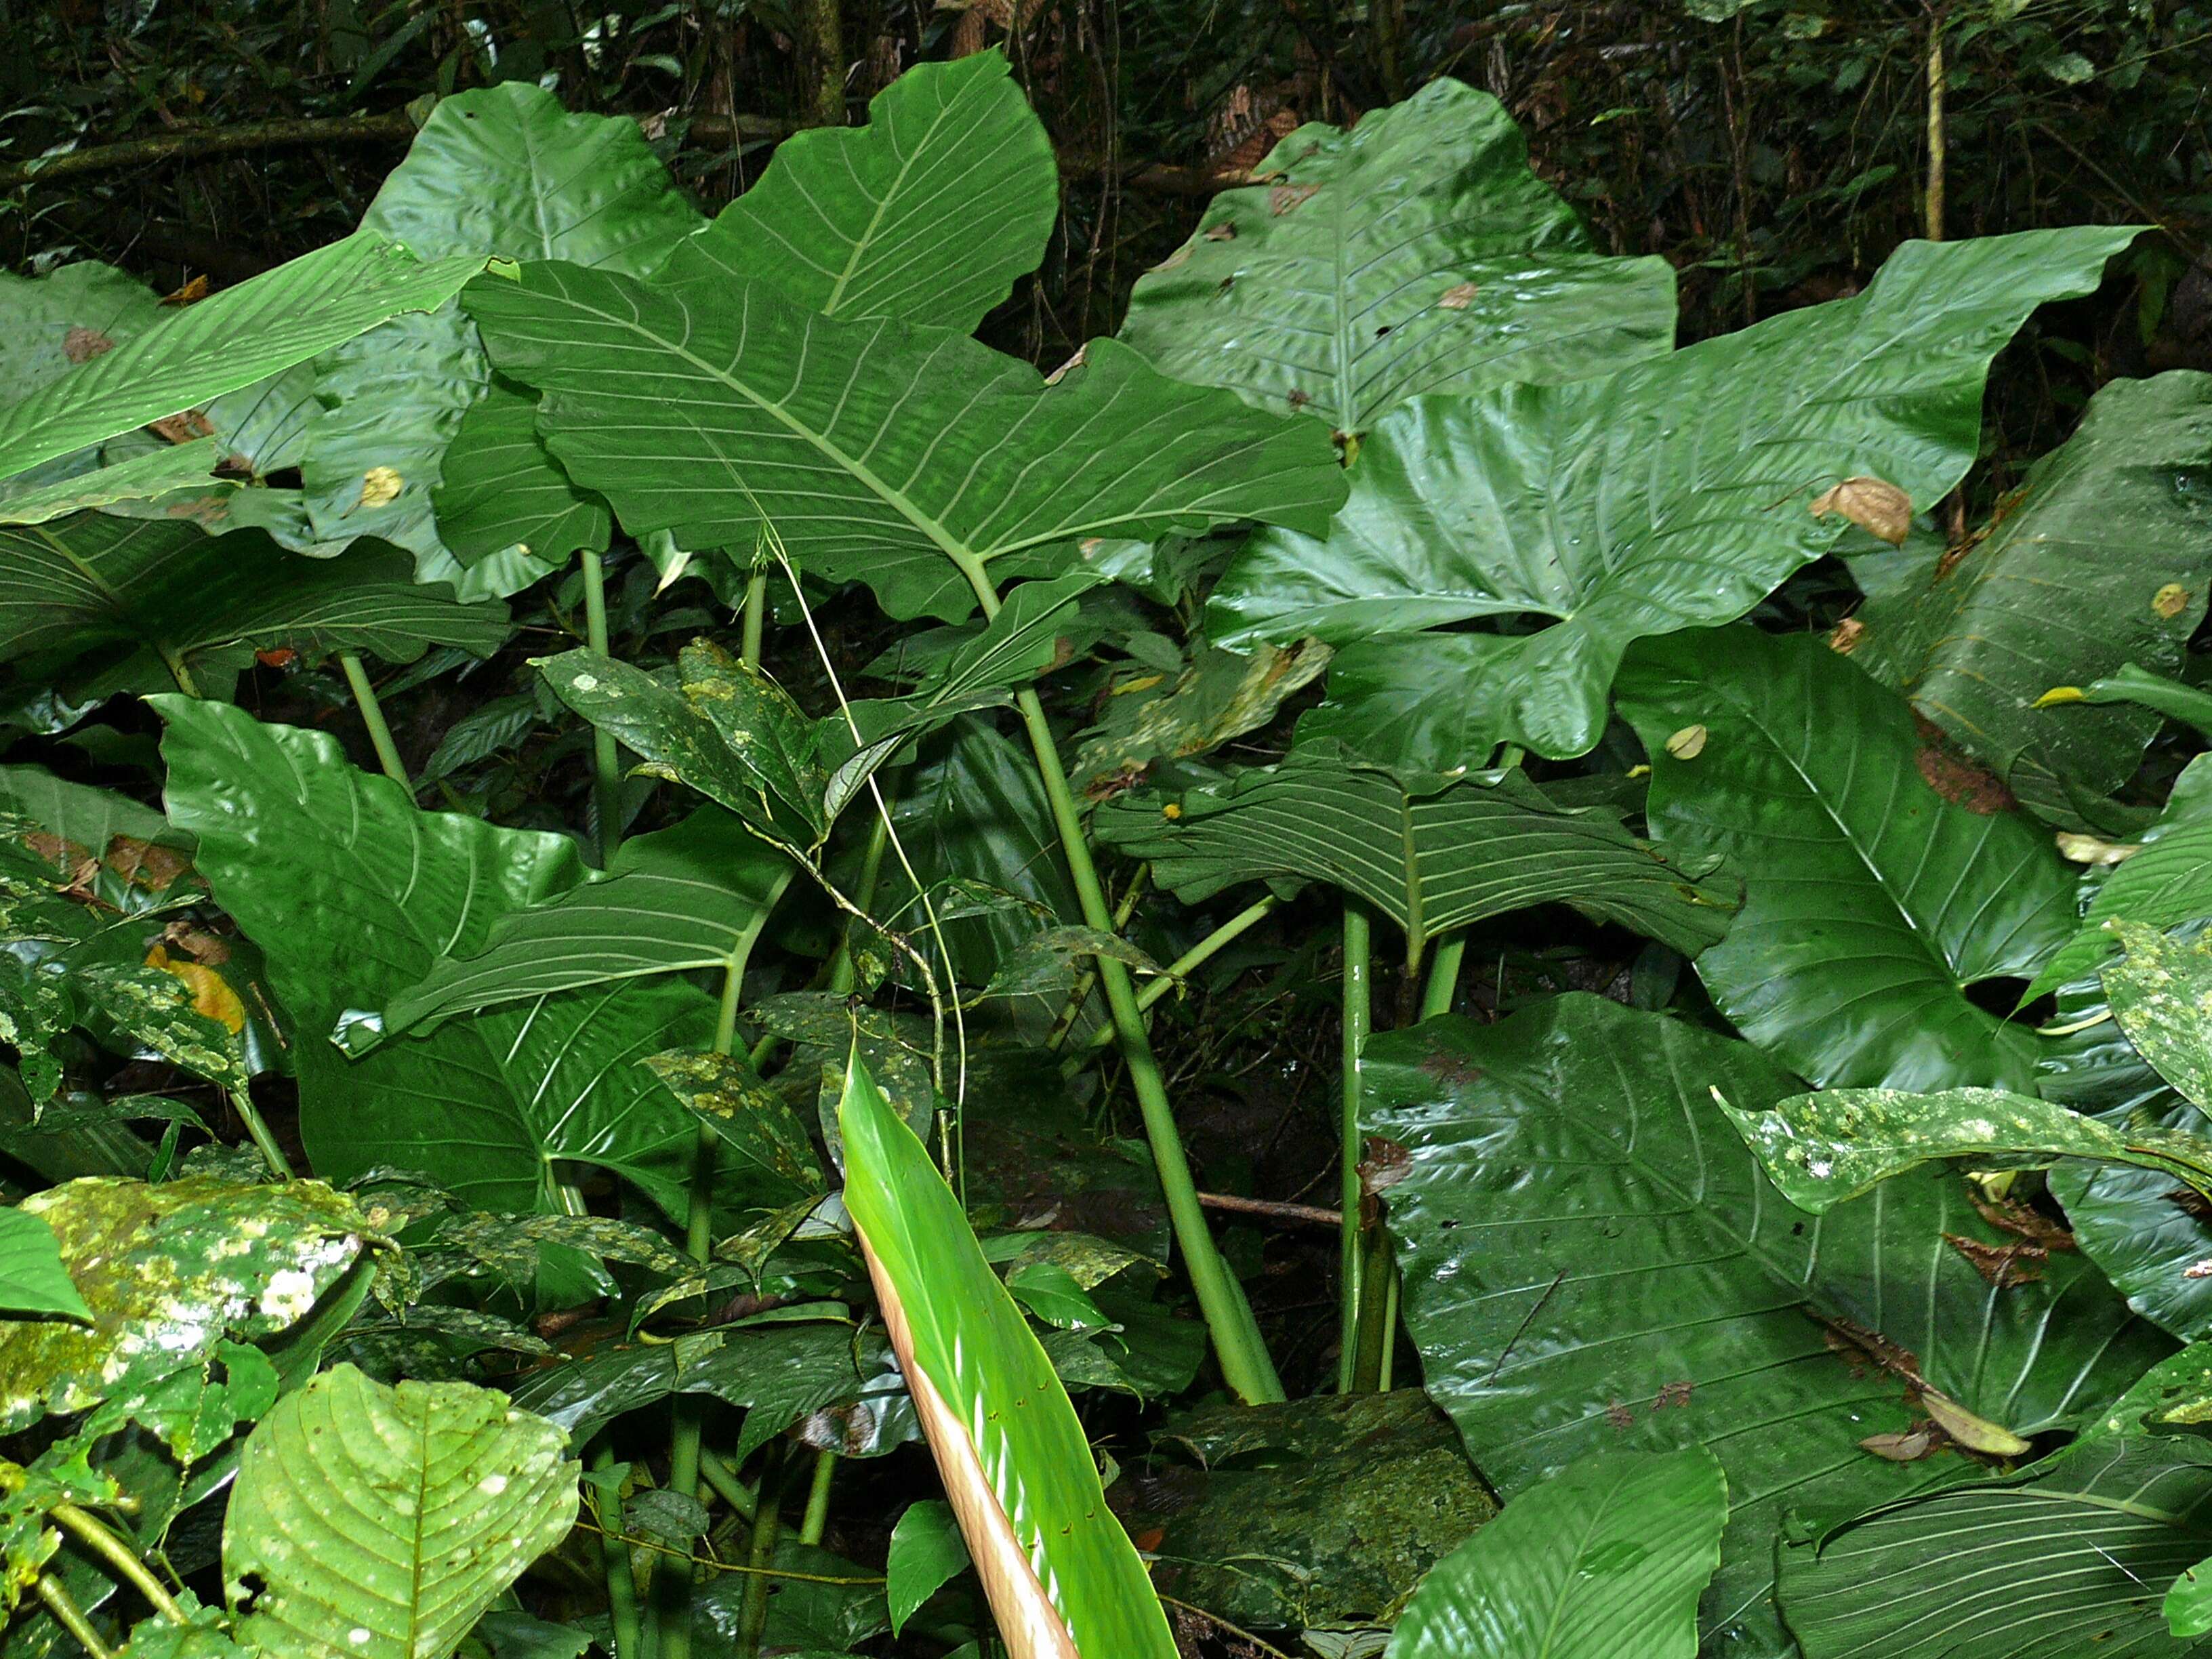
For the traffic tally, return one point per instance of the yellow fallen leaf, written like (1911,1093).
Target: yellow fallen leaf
(1875,505)
(379,485)
(212,997)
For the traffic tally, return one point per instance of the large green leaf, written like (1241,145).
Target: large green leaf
(240,336)
(1017,1465)
(2099,559)
(1673,495)
(377,1522)
(1416,253)
(1432,856)
(693,896)
(928,213)
(69,317)
(32,1279)
(2070,1561)
(1604,1561)
(1593,1260)
(1876,892)
(498,488)
(171,1275)
(354,895)
(177,594)
(156,472)
(498,170)
(913,458)
(1821,1149)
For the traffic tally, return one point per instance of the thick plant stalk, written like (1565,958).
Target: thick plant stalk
(672,1602)
(371,716)
(606,763)
(768,1526)
(673,1607)
(1238,1347)
(1238,1344)
(1443,987)
(816,1518)
(1230,931)
(756,619)
(257,1127)
(121,1559)
(1352,1261)
(614,1556)
(71,1617)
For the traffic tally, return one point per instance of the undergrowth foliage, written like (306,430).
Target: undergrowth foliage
(532,1196)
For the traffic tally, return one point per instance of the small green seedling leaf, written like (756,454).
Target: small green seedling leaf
(926,1551)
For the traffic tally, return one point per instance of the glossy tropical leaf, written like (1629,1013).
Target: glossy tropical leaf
(724,729)
(498,170)
(1221,695)
(2100,558)
(156,472)
(1594,1262)
(171,1273)
(1605,1560)
(2071,1558)
(1821,1149)
(177,594)
(1881,879)
(1432,856)
(69,316)
(82,815)
(498,488)
(1416,253)
(1017,644)
(2164,880)
(778,1373)
(1673,495)
(1061,1573)
(354,895)
(2191,705)
(33,1280)
(928,213)
(914,459)
(2161,998)
(238,337)
(693,896)
(380,1523)
(729,1097)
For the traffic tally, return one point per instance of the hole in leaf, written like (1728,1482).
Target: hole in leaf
(2001,996)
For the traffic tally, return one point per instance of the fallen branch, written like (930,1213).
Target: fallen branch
(397,126)
(197,143)
(1295,1215)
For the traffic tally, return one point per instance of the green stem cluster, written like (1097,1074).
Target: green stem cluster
(1241,1351)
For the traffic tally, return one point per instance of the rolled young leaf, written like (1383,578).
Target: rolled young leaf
(1063,1579)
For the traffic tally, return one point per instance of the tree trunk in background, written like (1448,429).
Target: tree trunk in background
(821,63)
